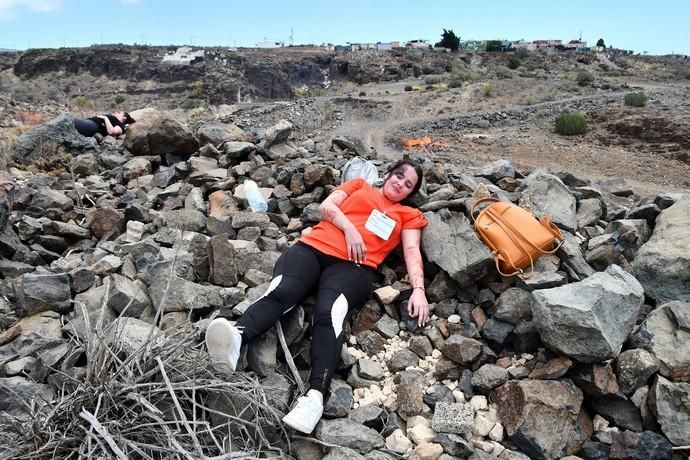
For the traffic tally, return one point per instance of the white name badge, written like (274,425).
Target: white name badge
(380,224)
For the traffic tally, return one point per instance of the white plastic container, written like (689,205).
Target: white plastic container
(255,199)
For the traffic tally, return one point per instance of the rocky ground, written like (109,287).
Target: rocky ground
(115,254)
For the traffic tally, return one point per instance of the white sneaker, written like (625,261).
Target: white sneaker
(305,415)
(223,341)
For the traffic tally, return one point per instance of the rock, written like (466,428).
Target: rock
(277,134)
(454,445)
(401,360)
(20,397)
(496,170)
(340,401)
(221,261)
(160,134)
(589,212)
(216,133)
(496,332)
(410,400)
(662,264)
(573,259)
(634,368)
(237,149)
(421,346)
(543,418)
(589,320)
(666,334)
(127,297)
(306,450)
(619,411)
(370,415)
(462,350)
(343,453)
(49,139)
(514,305)
(452,418)
(103,221)
(181,219)
(546,196)
(181,295)
(595,379)
(398,442)
(428,451)
(370,370)
(130,335)
(640,446)
(488,377)
(37,293)
(451,242)
(482,425)
(370,342)
(347,433)
(669,403)
(386,294)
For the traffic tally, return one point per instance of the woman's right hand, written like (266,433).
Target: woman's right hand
(356,249)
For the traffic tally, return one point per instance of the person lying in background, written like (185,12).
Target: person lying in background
(109,124)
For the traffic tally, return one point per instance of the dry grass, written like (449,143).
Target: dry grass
(160,401)
(30,117)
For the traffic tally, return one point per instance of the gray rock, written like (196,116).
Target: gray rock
(51,138)
(343,453)
(370,415)
(496,170)
(181,219)
(250,219)
(543,280)
(546,196)
(370,342)
(527,407)
(387,327)
(421,346)
(496,331)
(357,381)
(452,418)
(340,400)
(633,234)
(370,369)
(589,212)
(277,134)
(262,353)
(669,403)
(618,410)
(488,377)
(235,150)
(37,293)
(410,399)
(216,133)
(640,446)
(634,367)
(127,294)
(662,265)
(20,397)
(514,305)
(666,334)
(160,134)
(589,320)
(221,261)
(348,433)
(183,295)
(131,335)
(454,444)
(460,349)
(402,360)
(46,198)
(451,242)
(573,258)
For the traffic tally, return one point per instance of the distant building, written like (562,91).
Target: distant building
(269,44)
(418,44)
(473,45)
(547,44)
(384,46)
(342,48)
(523,45)
(577,45)
(183,56)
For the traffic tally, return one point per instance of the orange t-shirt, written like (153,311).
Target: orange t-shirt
(361,200)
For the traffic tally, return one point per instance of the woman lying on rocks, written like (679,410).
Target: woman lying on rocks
(360,225)
(109,124)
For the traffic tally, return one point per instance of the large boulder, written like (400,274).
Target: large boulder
(39,293)
(160,134)
(545,195)
(543,418)
(670,403)
(348,433)
(666,334)
(451,242)
(589,320)
(663,263)
(50,138)
(216,133)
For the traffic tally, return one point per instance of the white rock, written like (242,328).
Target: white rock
(398,442)
(599,423)
(498,449)
(491,415)
(496,433)
(386,294)
(486,446)
(436,353)
(479,402)
(482,426)
(454,319)
(459,396)
(428,451)
(421,433)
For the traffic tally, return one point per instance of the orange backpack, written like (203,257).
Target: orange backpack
(515,236)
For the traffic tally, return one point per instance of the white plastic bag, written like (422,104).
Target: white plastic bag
(359,167)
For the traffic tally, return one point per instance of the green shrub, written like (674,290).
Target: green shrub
(80,102)
(636,99)
(432,80)
(119,99)
(513,62)
(571,123)
(584,78)
(503,72)
(455,83)
(461,75)
(487,88)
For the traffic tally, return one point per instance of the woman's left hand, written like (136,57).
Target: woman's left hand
(418,307)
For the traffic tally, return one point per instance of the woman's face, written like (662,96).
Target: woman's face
(120,115)
(400,183)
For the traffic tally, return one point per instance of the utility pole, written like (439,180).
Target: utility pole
(292,36)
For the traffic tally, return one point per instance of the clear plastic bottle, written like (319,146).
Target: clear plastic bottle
(255,199)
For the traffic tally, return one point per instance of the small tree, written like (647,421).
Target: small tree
(449,40)
(600,42)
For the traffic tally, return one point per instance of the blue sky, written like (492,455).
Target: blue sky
(657,27)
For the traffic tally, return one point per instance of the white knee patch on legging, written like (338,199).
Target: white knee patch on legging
(272,287)
(338,313)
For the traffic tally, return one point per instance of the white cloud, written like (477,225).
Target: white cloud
(9,7)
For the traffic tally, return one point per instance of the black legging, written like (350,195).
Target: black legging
(340,285)
(88,127)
